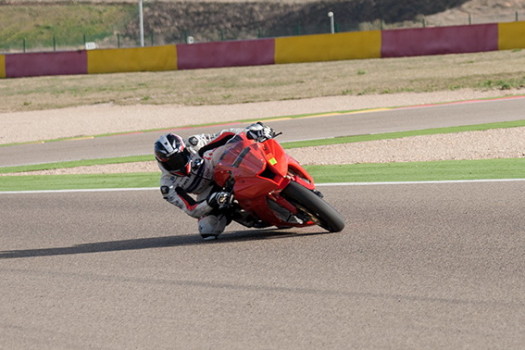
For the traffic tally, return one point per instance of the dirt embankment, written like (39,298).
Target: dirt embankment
(219,20)
(230,19)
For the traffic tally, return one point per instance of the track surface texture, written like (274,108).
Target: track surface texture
(419,266)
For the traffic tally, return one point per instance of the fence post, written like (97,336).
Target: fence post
(118,40)
(469,19)
(332,22)
(24,45)
(54,43)
(517,19)
(141,24)
(84,38)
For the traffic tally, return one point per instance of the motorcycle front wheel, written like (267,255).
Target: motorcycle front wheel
(306,200)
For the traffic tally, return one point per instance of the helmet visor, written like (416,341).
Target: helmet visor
(176,162)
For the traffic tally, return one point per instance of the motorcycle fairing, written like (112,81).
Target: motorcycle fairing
(261,171)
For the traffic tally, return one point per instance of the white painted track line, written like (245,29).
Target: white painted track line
(318,185)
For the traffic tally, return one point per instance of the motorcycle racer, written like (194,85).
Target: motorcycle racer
(187,169)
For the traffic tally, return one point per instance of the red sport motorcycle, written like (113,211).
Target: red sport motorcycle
(270,188)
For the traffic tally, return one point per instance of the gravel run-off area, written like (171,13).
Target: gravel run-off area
(99,119)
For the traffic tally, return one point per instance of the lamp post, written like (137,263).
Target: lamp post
(332,24)
(141,23)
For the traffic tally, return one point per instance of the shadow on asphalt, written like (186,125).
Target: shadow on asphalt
(155,242)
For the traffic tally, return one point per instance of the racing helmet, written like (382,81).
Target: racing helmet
(172,155)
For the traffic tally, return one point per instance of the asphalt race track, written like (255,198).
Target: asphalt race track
(418,266)
(404,119)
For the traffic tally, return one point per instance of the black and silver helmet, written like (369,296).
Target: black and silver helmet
(172,155)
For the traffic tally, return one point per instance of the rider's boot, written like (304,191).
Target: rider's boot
(211,226)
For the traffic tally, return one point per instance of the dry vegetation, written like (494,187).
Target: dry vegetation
(483,71)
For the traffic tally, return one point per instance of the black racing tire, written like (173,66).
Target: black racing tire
(328,217)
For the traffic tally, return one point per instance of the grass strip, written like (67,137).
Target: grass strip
(370,172)
(85,181)
(402,134)
(513,168)
(75,163)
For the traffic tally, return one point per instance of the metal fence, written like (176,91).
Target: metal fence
(82,41)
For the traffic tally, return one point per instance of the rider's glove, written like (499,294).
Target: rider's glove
(259,132)
(220,200)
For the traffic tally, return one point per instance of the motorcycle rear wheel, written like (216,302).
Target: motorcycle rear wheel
(306,200)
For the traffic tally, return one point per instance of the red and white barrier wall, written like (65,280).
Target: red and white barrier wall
(307,48)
